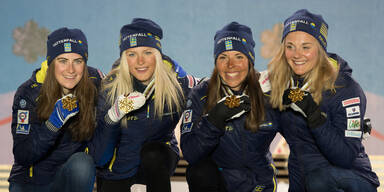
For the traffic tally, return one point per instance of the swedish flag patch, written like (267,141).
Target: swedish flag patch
(228,45)
(133,41)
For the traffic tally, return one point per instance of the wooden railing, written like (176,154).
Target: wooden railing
(281,163)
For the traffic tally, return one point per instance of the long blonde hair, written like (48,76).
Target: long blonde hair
(322,77)
(168,92)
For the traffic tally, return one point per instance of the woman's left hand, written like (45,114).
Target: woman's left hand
(306,106)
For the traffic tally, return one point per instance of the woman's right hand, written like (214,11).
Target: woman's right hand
(224,111)
(64,109)
(126,104)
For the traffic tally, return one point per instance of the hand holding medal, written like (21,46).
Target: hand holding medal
(126,104)
(229,107)
(302,102)
(65,108)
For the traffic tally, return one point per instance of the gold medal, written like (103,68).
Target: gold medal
(126,105)
(296,95)
(69,103)
(232,101)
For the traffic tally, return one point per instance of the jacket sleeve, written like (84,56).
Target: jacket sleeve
(339,139)
(198,136)
(106,135)
(32,140)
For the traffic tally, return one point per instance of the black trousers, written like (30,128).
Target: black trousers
(158,162)
(205,176)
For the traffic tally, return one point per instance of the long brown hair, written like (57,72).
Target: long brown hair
(257,113)
(82,125)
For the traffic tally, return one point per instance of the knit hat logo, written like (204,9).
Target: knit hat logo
(293,27)
(237,37)
(244,41)
(133,41)
(140,32)
(303,20)
(324,30)
(67,47)
(228,45)
(66,40)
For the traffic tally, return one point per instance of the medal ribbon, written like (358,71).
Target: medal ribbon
(292,85)
(149,89)
(228,92)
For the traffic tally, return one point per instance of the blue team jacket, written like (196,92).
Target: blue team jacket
(39,152)
(242,156)
(123,161)
(338,141)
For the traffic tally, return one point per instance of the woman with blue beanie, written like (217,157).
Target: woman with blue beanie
(228,125)
(323,109)
(144,98)
(53,120)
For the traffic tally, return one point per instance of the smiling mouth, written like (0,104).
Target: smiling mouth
(69,77)
(142,69)
(233,74)
(299,62)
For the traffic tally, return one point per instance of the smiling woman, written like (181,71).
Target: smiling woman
(301,50)
(225,114)
(316,94)
(233,68)
(143,97)
(53,120)
(69,69)
(141,63)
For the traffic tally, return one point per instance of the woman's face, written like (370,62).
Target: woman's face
(233,67)
(141,63)
(69,68)
(301,52)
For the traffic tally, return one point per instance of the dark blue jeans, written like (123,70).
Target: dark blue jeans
(76,174)
(336,179)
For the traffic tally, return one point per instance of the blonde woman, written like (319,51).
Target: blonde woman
(323,109)
(144,96)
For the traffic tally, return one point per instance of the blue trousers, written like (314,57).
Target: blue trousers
(336,179)
(76,174)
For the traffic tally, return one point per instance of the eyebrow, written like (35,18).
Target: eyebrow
(131,52)
(63,58)
(79,59)
(305,43)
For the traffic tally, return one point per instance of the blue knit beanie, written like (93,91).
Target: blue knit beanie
(235,37)
(140,32)
(303,20)
(66,40)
